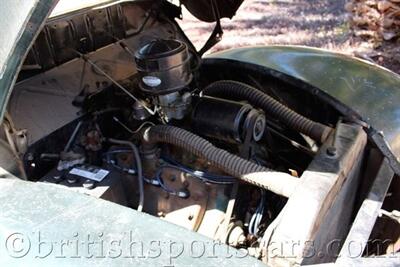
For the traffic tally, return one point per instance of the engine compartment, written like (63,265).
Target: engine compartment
(205,158)
(234,155)
(183,181)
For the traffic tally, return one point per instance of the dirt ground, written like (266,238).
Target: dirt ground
(318,23)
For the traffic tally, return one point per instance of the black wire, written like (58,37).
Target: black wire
(172,164)
(204,176)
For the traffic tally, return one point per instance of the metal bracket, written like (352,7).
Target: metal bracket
(216,35)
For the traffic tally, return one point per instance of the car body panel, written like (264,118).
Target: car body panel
(370,90)
(67,6)
(36,218)
(204,9)
(20,30)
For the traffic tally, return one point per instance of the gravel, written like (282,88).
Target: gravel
(317,23)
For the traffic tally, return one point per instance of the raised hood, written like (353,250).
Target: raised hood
(20,22)
(205,9)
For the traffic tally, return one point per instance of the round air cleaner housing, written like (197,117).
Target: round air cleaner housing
(163,66)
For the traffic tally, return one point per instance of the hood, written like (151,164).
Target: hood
(22,20)
(205,9)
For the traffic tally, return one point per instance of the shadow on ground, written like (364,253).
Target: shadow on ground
(261,22)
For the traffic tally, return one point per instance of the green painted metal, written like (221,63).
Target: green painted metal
(368,89)
(20,22)
(37,218)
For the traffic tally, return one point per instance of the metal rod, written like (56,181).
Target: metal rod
(126,48)
(152,112)
(82,76)
(72,138)
(138,166)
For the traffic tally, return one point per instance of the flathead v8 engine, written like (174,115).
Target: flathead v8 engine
(194,156)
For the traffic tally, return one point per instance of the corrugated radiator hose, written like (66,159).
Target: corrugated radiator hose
(277,182)
(240,91)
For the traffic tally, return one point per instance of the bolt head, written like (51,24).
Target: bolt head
(88,184)
(331,151)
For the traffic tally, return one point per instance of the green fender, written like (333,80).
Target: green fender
(371,91)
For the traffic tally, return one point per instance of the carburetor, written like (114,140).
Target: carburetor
(164,71)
